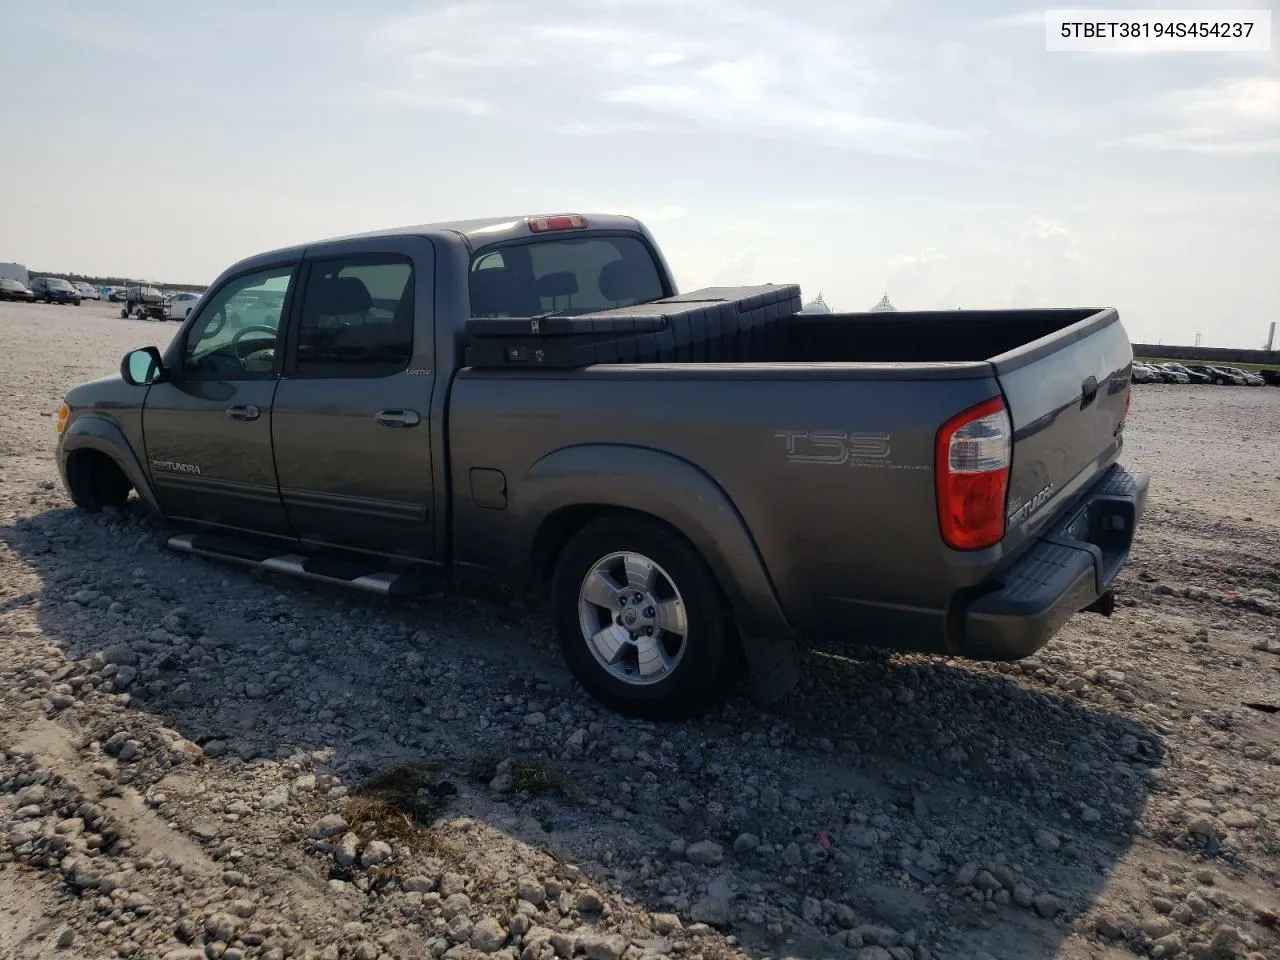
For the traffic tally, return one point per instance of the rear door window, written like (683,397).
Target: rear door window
(357,318)
(566,276)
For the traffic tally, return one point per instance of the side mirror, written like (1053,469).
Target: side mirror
(140,368)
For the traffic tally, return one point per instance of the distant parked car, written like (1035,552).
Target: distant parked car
(116,295)
(15,290)
(1170,374)
(1191,375)
(54,290)
(180,304)
(1270,376)
(1218,375)
(87,291)
(1250,379)
(1144,374)
(1232,376)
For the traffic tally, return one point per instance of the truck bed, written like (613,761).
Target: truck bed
(925,336)
(922,337)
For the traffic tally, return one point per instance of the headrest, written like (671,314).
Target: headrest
(562,284)
(615,281)
(342,295)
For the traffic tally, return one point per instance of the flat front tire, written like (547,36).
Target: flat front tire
(641,621)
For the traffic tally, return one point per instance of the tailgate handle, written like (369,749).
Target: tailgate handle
(1088,391)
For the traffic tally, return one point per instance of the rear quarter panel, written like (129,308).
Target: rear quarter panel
(830,468)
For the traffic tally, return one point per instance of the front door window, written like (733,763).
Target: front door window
(235,335)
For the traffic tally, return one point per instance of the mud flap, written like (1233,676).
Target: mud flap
(773,668)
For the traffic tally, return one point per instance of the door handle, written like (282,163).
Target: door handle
(243,411)
(1088,391)
(397,418)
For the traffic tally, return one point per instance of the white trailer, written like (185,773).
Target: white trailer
(15,271)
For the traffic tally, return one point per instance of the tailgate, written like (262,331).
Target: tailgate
(1067,395)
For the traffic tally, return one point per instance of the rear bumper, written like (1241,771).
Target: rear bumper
(1066,571)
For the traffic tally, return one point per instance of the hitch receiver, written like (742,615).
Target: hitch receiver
(1104,605)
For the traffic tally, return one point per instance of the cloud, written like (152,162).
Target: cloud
(646,213)
(1054,236)
(922,259)
(1034,261)
(1231,117)
(1026,18)
(422,98)
(914,278)
(705,65)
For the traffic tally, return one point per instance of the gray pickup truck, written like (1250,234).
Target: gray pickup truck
(349,411)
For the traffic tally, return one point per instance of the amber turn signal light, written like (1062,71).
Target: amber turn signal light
(60,423)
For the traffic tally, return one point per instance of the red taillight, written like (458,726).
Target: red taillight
(544,224)
(973,454)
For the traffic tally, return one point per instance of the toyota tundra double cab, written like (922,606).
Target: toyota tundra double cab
(697,482)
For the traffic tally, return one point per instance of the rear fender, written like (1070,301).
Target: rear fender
(90,432)
(677,492)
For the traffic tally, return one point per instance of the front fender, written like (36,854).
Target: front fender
(91,432)
(667,487)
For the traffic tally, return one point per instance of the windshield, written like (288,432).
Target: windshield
(57,284)
(564,276)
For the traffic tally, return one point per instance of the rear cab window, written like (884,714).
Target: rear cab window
(565,276)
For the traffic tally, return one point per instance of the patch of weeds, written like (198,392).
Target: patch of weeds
(398,803)
(415,790)
(527,774)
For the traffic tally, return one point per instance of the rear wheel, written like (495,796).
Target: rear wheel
(641,621)
(95,481)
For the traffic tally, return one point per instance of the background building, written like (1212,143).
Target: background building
(816,305)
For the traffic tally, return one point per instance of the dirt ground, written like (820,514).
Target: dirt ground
(201,761)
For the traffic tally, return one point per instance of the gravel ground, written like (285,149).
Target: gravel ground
(197,760)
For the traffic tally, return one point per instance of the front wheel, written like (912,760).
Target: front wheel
(642,623)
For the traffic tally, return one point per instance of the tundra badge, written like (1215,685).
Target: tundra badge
(172,466)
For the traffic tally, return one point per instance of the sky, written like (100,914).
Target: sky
(926,149)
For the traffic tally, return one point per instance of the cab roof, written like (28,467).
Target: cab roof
(475,233)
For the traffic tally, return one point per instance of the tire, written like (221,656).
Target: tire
(94,481)
(698,665)
(124,314)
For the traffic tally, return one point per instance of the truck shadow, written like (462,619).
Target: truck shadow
(895,799)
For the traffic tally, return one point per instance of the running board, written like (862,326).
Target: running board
(344,573)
